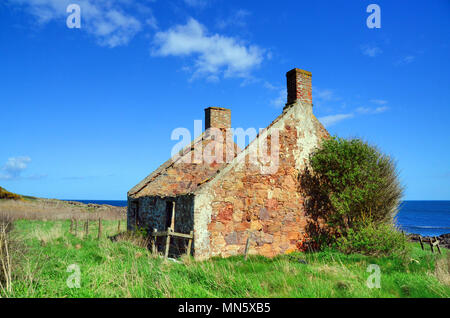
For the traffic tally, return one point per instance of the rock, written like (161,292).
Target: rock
(298,260)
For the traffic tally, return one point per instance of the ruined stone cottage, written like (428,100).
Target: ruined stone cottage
(224,202)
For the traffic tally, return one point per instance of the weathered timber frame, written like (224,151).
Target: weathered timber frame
(432,244)
(170,232)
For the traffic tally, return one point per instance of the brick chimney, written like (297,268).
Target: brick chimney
(299,87)
(217,117)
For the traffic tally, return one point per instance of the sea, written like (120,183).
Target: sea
(427,218)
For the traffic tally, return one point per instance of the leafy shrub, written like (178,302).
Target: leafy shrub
(374,239)
(353,194)
(4,194)
(360,182)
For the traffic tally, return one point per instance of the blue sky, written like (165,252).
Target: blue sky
(87,113)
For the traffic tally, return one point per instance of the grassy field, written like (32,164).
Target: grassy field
(50,209)
(44,250)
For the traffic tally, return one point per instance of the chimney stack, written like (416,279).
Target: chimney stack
(299,87)
(217,117)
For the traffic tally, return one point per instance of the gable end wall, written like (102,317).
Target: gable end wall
(241,202)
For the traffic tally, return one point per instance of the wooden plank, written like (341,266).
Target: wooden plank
(188,236)
(118,227)
(159,233)
(190,243)
(166,254)
(431,245)
(165,233)
(155,231)
(172,221)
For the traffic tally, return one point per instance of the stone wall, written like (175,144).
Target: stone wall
(241,201)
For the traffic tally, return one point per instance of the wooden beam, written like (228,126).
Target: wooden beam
(190,243)
(165,233)
(166,254)
(172,222)
(155,231)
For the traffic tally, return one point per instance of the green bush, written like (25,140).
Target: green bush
(374,239)
(354,190)
(4,194)
(360,182)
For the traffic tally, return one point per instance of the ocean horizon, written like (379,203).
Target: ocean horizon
(424,217)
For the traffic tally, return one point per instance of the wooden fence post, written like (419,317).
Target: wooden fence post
(420,240)
(155,232)
(437,244)
(166,254)
(431,245)
(118,227)
(172,221)
(247,246)
(188,252)
(71,226)
(87,227)
(76,227)
(99,228)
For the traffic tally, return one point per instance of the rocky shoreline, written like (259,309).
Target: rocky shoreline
(444,239)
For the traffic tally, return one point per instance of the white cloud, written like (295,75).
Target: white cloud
(330,120)
(238,19)
(371,51)
(214,54)
(379,101)
(406,60)
(14,167)
(281,100)
(108,21)
(377,110)
(369,110)
(324,94)
(381,109)
(196,3)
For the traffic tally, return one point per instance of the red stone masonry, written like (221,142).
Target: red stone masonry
(299,86)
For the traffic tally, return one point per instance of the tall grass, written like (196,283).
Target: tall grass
(5,258)
(126,269)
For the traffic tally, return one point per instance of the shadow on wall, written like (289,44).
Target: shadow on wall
(316,206)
